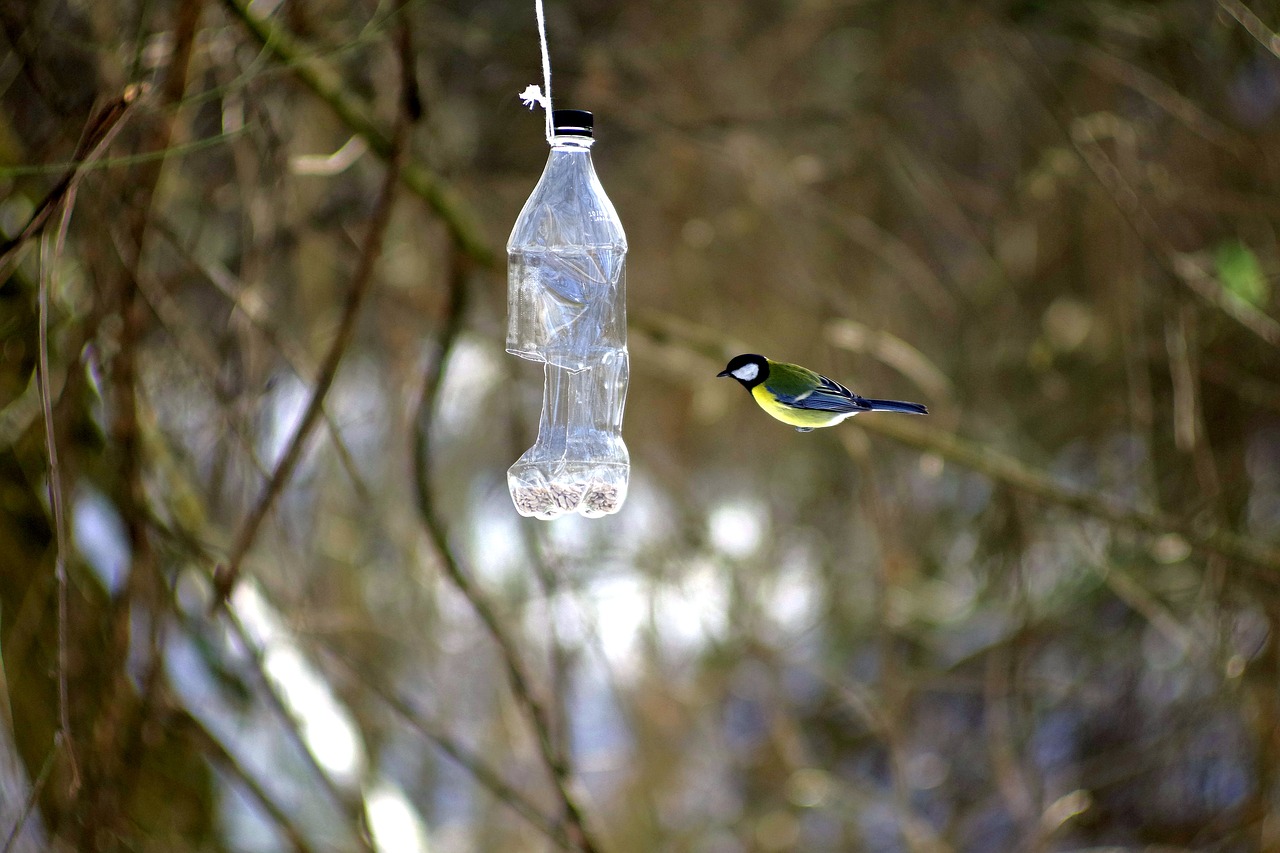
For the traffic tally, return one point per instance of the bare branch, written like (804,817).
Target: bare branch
(62,544)
(1184,266)
(557,764)
(352,807)
(227,575)
(98,135)
(1252,24)
(223,759)
(1004,468)
(32,798)
(1013,472)
(227,286)
(97,138)
(485,775)
(328,86)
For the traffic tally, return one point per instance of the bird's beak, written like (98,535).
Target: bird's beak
(722,373)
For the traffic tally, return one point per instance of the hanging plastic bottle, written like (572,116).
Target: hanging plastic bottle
(566,271)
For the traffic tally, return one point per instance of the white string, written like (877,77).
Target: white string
(532,95)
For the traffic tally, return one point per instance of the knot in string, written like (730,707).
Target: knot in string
(533,95)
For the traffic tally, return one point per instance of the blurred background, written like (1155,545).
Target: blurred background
(1041,619)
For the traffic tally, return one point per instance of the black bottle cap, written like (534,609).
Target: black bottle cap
(571,122)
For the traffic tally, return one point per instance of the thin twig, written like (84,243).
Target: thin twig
(875,714)
(1161,94)
(556,763)
(354,809)
(98,134)
(1185,267)
(218,754)
(227,575)
(254,653)
(328,86)
(1004,468)
(191,348)
(118,717)
(33,797)
(895,690)
(173,152)
(97,138)
(998,726)
(1252,24)
(226,285)
(62,545)
(485,775)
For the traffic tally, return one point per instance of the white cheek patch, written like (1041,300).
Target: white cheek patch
(747,372)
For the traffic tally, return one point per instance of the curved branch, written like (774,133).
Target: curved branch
(98,135)
(327,85)
(557,764)
(699,347)
(1017,474)
(1252,24)
(225,578)
(484,775)
(221,757)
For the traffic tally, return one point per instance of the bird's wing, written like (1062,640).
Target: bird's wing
(828,396)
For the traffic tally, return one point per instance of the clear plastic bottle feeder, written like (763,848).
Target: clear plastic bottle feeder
(566,272)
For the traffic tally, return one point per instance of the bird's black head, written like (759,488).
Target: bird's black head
(749,369)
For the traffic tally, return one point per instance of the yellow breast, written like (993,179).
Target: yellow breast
(793,416)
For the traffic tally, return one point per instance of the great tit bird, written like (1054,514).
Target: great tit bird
(797,396)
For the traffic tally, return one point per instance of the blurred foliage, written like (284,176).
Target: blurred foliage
(1042,621)
(1240,272)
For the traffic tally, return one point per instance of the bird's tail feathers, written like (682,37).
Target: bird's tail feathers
(896,406)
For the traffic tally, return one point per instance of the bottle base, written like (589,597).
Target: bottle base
(592,491)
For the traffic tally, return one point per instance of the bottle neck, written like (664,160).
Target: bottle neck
(572,143)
